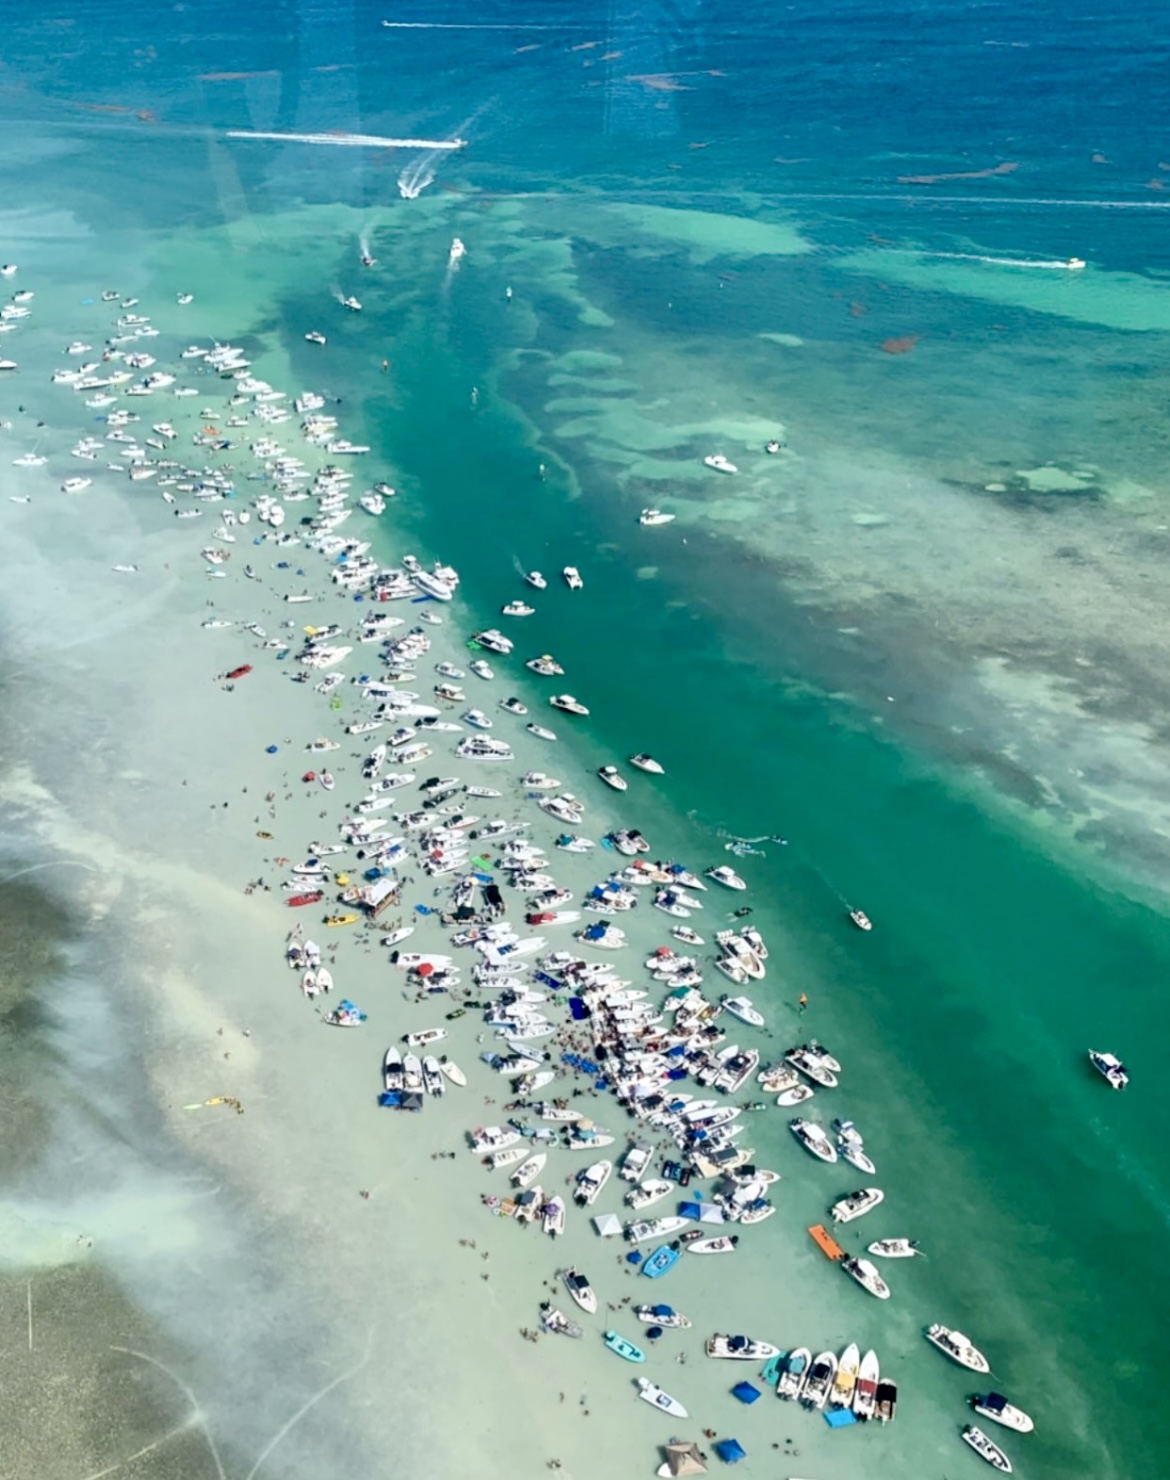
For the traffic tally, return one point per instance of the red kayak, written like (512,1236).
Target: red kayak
(314,897)
(240,671)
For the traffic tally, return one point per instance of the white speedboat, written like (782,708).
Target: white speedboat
(493,1138)
(529,1170)
(644,762)
(432,1073)
(591,1181)
(482,669)
(740,1348)
(723,1244)
(613,777)
(1110,1067)
(814,1139)
(687,935)
(726,876)
(819,1380)
(573,578)
(581,1290)
(546,665)
(651,1393)
(797,1095)
(987,1449)
(958,1347)
(720,463)
(553,1217)
(894,1248)
(568,704)
(867,1276)
(857,1204)
(453,1072)
(662,1315)
(848,1366)
(997,1408)
(517,609)
(508,1157)
(536,580)
(794,1373)
(1074,264)
(861,919)
(646,1194)
(652,517)
(513,706)
(866,1387)
(75,485)
(542,732)
(741,1007)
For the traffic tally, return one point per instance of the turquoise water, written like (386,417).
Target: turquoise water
(949,698)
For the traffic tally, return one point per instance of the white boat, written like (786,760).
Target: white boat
(794,1373)
(508,1157)
(867,1276)
(687,935)
(432,1072)
(848,1367)
(581,1290)
(542,732)
(536,580)
(662,1315)
(613,777)
(591,1181)
(558,1322)
(75,485)
(651,517)
(740,1348)
(646,1194)
(651,1393)
(857,1204)
(517,609)
(726,876)
(861,919)
(819,1380)
(958,1347)
(553,1217)
(493,1138)
(741,1007)
(866,1386)
(573,578)
(724,1244)
(453,1072)
(639,1233)
(1110,1067)
(720,463)
(644,762)
(481,669)
(894,1248)
(987,1449)
(814,1139)
(797,1095)
(568,704)
(529,1170)
(997,1408)
(635,1162)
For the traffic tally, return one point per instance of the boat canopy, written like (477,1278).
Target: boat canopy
(608,1225)
(683,1459)
(730,1451)
(994,1403)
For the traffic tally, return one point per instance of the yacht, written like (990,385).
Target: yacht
(477,719)
(546,665)
(613,777)
(654,516)
(857,1204)
(726,876)
(568,704)
(573,578)
(813,1138)
(867,1276)
(986,1449)
(644,762)
(517,609)
(535,579)
(1110,1067)
(997,1408)
(494,641)
(958,1347)
(720,463)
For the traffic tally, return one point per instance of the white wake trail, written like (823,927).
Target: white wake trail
(350,141)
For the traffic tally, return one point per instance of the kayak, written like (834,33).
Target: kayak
(240,671)
(340,919)
(624,1348)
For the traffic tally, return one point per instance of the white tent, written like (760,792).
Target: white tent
(608,1225)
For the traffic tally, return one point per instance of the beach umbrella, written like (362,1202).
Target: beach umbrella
(730,1451)
(745,1392)
(683,1459)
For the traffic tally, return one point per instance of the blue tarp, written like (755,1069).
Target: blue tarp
(840,1418)
(730,1451)
(577,1010)
(745,1392)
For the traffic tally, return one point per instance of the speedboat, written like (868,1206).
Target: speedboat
(581,1290)
(997,1408)
(813,1138)
(662,1315)
(542,732)
(513,706)
(987,1449)
(1110,1067)
(453,1072)
(392,1074)
(1075,264)
(894,1248)
(644,762)
(613,777)
(573,578)
(958,1347)
(557,1321)
(493,1138)
(724,1244)
(887,1400)
(546,665)
(432,1073)
(794,1373)
(726,876)
(646,1194)
(535,579)
(568,704)
(652,517)
(687,935)
(720,463)
(591,1181)
(651,1393)
(741,1007)
(553,1217)
(841,1393)
(857,1204)
(867,1276)
(623,1348)
(820,1380)
(517,609)
(861,919)
(740,1348)
(508,1157)
(866,1388)
(482,669)
(812,1066)
(529,1170)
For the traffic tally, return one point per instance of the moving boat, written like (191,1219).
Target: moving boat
(623,1348)
(987,1449)
(813,1138)
(820,1380)
(867,1276)
(849,1365)
(650,1393)
(654,516)
(794,1373)
(857,1204)
(866,1389)
(720,463)
(861,919)
(997,1408)
(958,1347)
(740,1348)
(894,1248)
(1110,1067)
(535,579)
(662,1315)
(573,578)
(581,1290)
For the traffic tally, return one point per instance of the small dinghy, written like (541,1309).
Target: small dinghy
(1110,1067)
(623,1348)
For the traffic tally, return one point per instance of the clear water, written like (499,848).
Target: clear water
(950,699)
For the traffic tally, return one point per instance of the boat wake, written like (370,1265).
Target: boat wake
(1054,264)
(415,178)
(350,141)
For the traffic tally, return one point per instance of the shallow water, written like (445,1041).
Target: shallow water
(949,699)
